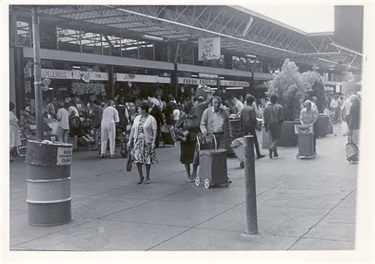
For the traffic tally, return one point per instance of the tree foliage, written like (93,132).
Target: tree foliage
(290,87)
(315,81)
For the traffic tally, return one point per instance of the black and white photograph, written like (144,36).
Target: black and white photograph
(221,132)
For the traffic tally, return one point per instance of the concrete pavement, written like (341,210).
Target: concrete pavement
(306,204)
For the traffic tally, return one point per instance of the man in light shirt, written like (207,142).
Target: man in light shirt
(215,120)
(345,108)
(108,128)
(334,105)
(63,122)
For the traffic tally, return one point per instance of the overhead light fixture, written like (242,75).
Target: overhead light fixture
(194,75)
(152,37)
(221,77)
(76,67)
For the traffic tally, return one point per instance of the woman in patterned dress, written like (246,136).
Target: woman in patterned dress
(142,142)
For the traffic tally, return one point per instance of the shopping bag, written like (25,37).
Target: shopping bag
(344,128)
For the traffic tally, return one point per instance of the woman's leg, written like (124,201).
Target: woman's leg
(195,168)
(148,168)
(187,168)
(139,167)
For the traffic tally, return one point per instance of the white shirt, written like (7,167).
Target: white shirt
(334,103)
(73,109)
(176,114)
(63,116)
(346,106)
(110,114)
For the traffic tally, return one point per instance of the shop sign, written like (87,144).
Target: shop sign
(328,88)
(234,83)
(64,156)
(208,76)
(125,77)
(195,81)
(56,74)
(88,76)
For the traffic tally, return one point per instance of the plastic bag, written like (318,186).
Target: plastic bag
(344,128)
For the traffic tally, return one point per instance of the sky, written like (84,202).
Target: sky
(308,18)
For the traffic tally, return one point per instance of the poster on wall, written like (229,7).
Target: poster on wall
(209,48)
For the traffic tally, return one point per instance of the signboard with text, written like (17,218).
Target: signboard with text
(125,77)
(234,83)
(194,81)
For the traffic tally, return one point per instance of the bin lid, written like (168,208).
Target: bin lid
(48,142)
(211,152)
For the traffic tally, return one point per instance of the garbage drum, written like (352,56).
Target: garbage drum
(305,141)
(48,182)
(213,166)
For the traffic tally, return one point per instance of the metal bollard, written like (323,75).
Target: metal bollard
(48,182)
(251,204)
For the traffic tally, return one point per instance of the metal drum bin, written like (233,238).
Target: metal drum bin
(48,182)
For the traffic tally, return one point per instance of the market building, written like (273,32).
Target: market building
(107,50)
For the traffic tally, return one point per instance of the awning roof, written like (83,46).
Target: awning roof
(242,31)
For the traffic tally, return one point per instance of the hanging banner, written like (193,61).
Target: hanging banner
(234,83)
(125,77)
(209,49)
(194,81)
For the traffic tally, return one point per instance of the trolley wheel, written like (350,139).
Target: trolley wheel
(207,183)
(228,182)
(197,181)
(242,164)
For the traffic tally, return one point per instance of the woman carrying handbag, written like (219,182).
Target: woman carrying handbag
(188,127)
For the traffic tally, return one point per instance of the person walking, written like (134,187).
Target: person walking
(155,111)
(142,142)
(354,119)
(215,120)
(108,128)
(308,116)
(63,122)
(74,131)
(334,105)
(248,119)
(96,120)
(273,119)
(14,133)
(188,124)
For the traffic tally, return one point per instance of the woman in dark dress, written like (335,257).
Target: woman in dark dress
(188,124)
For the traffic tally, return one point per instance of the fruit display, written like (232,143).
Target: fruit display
(87,88)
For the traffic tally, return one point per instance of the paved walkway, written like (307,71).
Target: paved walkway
(305,204)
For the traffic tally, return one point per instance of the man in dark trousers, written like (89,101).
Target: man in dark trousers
(155,111)
(273,120)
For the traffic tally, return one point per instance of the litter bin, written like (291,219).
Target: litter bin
(305,141)
(213,167)
(48,182)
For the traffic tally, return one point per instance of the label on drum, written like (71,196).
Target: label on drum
(64,156)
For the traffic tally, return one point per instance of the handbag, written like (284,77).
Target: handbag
(179,135)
